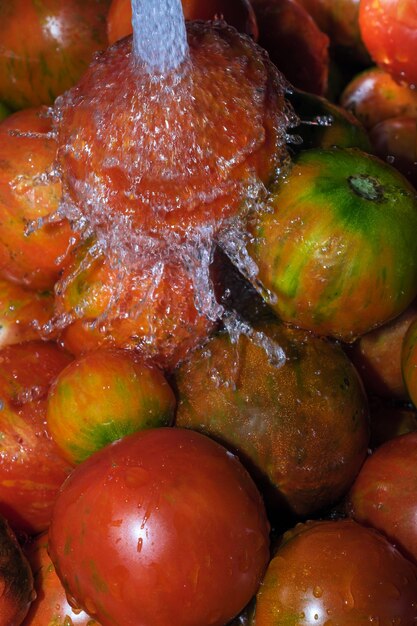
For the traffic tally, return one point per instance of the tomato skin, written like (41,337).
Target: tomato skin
(16,579)
(409,361)
(23,313)
(384,493)
(324,124)
(50,607)
(373,96)
(377,356)
(331,247)
(389,31)
(31,467)
(51,44)
(303,451)
(163,528)
(237,13)
(294,42)
(103,396)
(27,153)
(337,572)
(395,140)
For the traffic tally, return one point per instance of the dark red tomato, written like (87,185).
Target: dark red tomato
(389,31)
(337,573)
(50,607)
(45,47)
(384,494)
(16,579)
(31,468)
(163,528)
(395,140)
(294,42)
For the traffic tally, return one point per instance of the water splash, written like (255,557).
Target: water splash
(159,36)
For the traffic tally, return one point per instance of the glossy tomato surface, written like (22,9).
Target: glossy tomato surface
(384,494)
(45,47)
(337,572)
(163,528)
(389,31)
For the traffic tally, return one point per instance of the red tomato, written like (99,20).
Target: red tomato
(395,140)
(337,573)
(389,31)
(50,607)
(31,468)
(162,528)
(384,494)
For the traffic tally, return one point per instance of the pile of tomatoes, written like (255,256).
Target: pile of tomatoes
(249,457)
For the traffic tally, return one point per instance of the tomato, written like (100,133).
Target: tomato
(133,310)
(337,572)
(373,96)
(161,528)
(23,313)
(237,13)
(27,196)
(389,31)
(294,42)
(50,607)
(324,124)
(297,416)
(46,46)
(338,249)
(409,361)
(377,355)
(384,493)
(340,21)
(16,579)
(240,146)
(102,397)
(395,140)
(31,468)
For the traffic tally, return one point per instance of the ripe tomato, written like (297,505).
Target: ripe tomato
(337,572)
(409,361)
(162,528)
(395,140)
(50,607)
(300,425)
(104,396)
(389,31)
(31,467)
(46,46)
(384,495)
(294,42)
(27,153)
(16,579)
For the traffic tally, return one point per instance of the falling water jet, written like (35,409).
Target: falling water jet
(159,35)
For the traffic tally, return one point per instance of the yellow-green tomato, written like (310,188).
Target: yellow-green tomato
(104,396)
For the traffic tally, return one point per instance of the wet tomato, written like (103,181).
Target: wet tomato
(31,467)
(24,313)
(338,250)
(16,579)
(103,396)
(395,140)
(373,96)
(46,46)
(289,404)
(30,256)
(162,528)
(294,42)
(389,31)
(409,361)
(50,607)
(337,572)
(237,13)
(384,494)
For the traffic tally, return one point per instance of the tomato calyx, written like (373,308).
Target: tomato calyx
(366,187)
